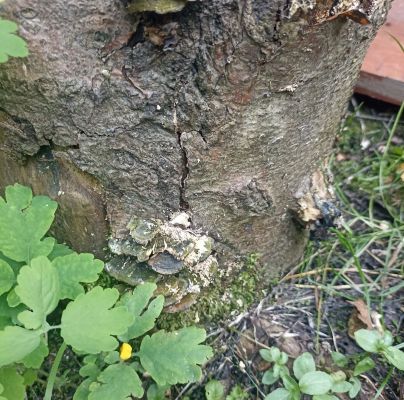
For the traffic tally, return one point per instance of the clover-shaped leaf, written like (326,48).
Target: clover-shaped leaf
(7,277)
(118,382)
(16,343)
(136,302)
(10,44)
(74,268)
(30,219)
(38,288)
(89,322)
(174,357)
(12,383)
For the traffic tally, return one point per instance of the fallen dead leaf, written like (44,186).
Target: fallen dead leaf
(363,312)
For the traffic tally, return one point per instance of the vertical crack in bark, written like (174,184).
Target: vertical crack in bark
(184,205)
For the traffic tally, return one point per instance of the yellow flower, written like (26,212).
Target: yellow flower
(125,352)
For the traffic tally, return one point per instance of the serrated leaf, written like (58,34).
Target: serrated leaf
(15,266)
(8,315)
(315,383)
(30,376)
(395,357)
(279,394)
(303,364)
(30,219)
(368,340)
(89,322)
(60,250)
(136,303)
(118,382)
(12,383)
(214,390)
(38,288)
(74,268)
(7,277)
(355,388)
(16,343)
(12,298)
(363,366)
(174,357)
(37,357)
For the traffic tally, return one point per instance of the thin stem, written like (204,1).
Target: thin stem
(53,372)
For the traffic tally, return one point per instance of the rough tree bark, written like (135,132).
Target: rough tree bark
(222,110)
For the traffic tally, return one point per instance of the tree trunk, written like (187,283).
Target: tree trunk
(193,138)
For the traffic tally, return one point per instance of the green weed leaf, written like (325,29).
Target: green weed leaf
(37,357)
(12,383)
(303,364)
(174,357)
(339,359)
(368,340)
(75,268)
(315,383)
(363,366)
(118,382)
(16,343)
(7,277)
(269,378)
(136,302)
(155,392)
(89,322)
(325,397)
(83,390)
(279,394)
(355,388)
(38,288)
(214,390)
(395,357)
(60,250)
(30,219)
(10,43)
(266,355)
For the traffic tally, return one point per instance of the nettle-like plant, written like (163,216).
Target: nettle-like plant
(11,45)
(36,273)
(322,385)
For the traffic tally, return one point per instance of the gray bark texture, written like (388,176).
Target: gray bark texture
(223,110)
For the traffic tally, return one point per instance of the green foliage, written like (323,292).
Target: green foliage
(118,382)
(11,384)
(374,342)
(90,321)
(136,303)
(39,289)
(174,357)
(10,43)
(309,381)
(36,273)
(214,390)
(30,219)
(322,385)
